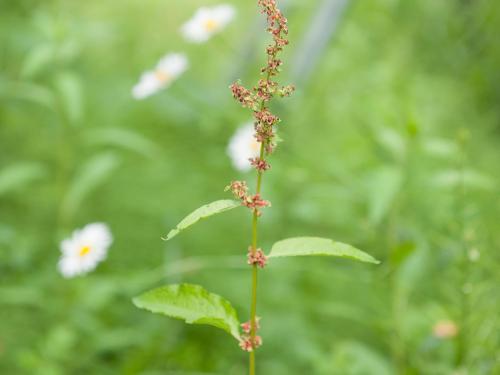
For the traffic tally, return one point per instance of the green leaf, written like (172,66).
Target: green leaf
(27,92)
(384,184)
(357,358)
(39,58)
(470,178)
(70,89)
(412,271)
(124,138)
(201,213)
(441,147)
(18,175)
(392,141)
(301,246)
(193,304)
(91,175)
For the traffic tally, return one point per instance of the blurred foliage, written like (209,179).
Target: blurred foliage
(391,145)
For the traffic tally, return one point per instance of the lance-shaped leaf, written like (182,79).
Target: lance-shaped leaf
(200,213)
(301,246)
(18,175)
(193,304)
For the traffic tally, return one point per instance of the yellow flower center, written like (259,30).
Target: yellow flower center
(254,146)
(210,25)
(84,251)
(162,76)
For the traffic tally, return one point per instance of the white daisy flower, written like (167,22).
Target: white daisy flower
(167,70)
(243,146)
(206,22)
(84,250)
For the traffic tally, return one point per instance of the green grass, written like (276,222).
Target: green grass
(403,100)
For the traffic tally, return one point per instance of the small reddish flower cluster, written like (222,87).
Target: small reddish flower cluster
(248,345)
(256,257)
(254,202)
(247,326)
(246,98)
(266,88)
(286,90)
(278,28)
(238,188)
(266,117)
(264,134)
(260,164)
(246,342)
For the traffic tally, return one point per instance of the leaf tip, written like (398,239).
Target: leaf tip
(170,235)
(136,302)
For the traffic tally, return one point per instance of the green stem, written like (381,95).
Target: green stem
(253,309)
(252,317)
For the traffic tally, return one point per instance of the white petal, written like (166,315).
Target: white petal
(168,68)
(147,86)
(97,234)
(224,14)
(69,267)
(243,146)
(173,64)
(67,246)
(195,30)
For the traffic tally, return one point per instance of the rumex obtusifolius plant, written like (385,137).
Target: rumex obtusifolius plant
(194,304)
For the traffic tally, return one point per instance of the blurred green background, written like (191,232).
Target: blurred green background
(391,143)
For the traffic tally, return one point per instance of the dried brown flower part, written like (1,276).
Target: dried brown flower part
(266,88)
(260,164)
(256,257)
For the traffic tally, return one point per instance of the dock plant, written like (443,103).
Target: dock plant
(193,303)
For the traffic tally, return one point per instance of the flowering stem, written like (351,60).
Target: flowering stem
(252,317)
(265,123)
(253,308)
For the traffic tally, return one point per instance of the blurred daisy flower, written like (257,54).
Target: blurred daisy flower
(84,249)
(445,329)
(242,147)
(206,22)
(167,70)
